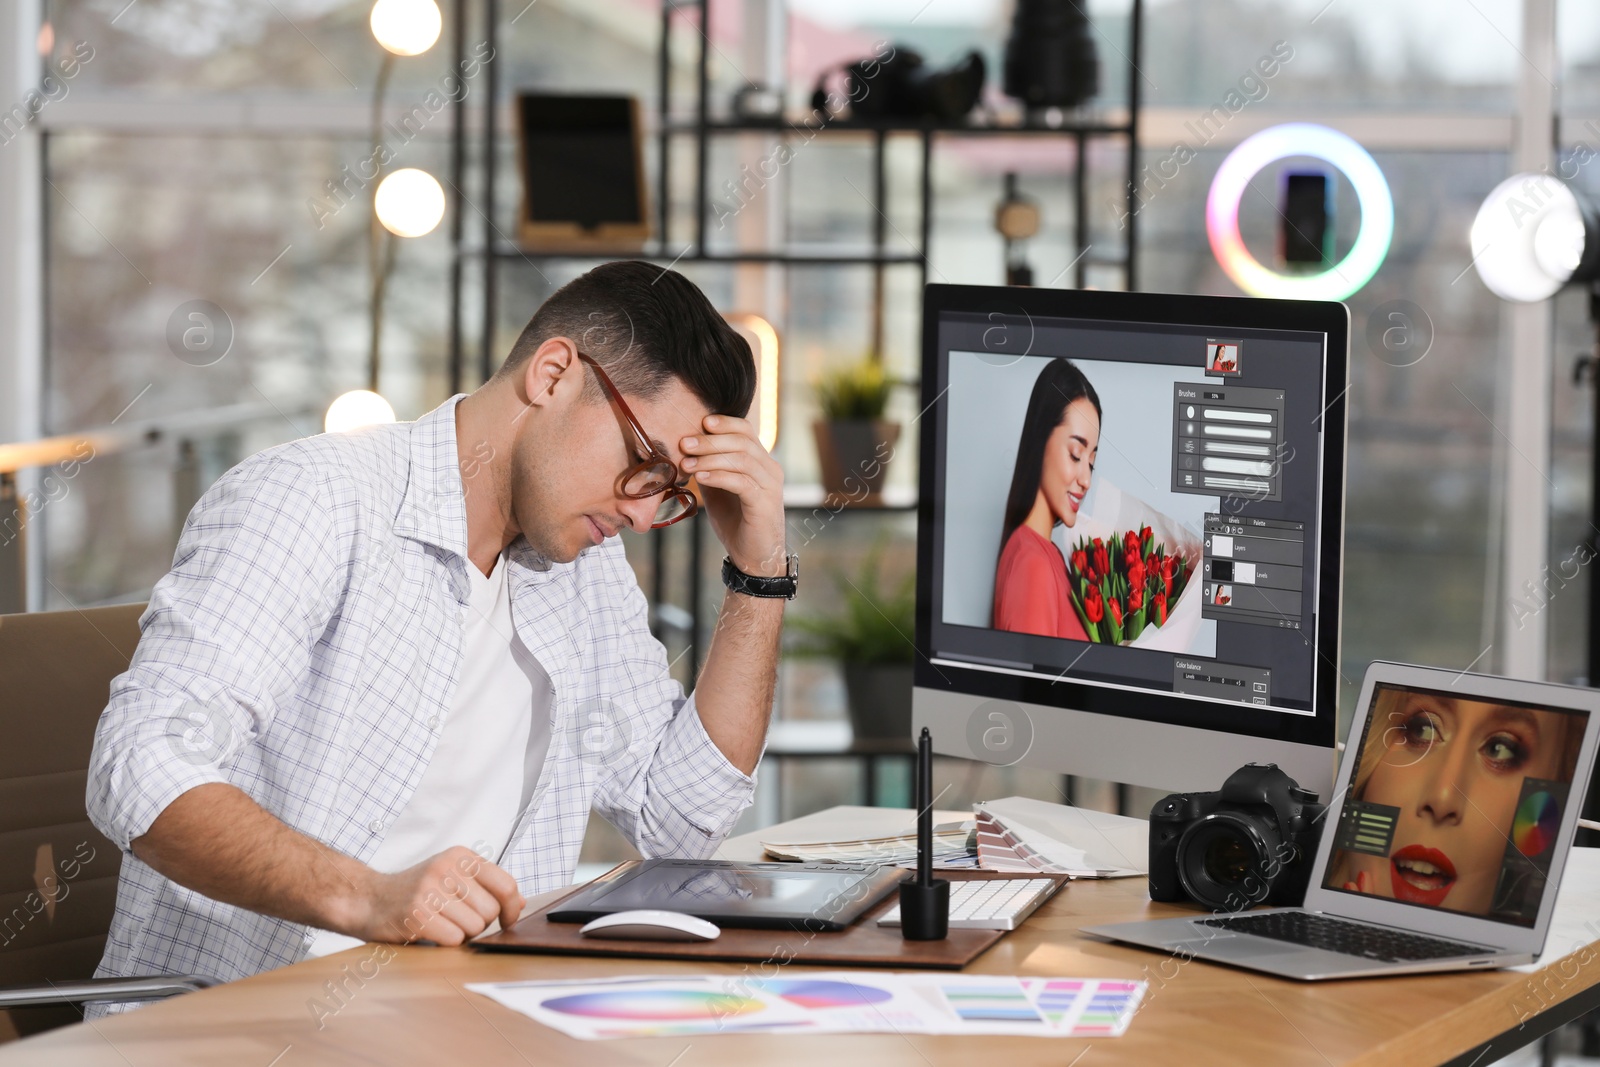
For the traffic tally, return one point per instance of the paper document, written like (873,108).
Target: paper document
(954,846)
(1019,834)
(828,1002)
(1575,923)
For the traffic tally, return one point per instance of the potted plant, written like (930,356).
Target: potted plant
(854,441)
(871,636)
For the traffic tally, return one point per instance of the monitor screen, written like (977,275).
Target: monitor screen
(1456,803)
(1135,509)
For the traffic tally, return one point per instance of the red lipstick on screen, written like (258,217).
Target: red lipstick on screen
(1421,875)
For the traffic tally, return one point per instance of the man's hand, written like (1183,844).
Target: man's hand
(742,486)
(447,899)
(217,841)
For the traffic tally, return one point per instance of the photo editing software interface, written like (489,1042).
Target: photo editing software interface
(1133,504)
(1456,804)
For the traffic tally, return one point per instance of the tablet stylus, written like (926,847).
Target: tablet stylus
(924,902)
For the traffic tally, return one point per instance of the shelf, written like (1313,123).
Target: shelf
(893,498)
(784,125)
(800,256)
(678,116)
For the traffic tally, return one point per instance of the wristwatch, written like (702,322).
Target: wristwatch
(783,586)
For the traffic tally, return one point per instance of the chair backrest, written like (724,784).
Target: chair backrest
(58,874)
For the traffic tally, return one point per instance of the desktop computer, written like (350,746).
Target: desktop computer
(1129,538)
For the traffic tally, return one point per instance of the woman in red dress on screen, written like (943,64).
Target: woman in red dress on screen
(1055,460)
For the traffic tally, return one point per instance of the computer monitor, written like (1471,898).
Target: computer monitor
(1129,537)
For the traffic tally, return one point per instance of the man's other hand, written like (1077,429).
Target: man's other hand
(742,486)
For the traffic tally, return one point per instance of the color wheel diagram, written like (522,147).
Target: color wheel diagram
(683,1005)
(655,1005)
(1536,824)
(823,993)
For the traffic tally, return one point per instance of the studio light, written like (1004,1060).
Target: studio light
(409,202)
(355,409)
(1281,142)
(1533,235)
(769,372)
(406,27)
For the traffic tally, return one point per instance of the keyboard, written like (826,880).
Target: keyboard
(1350,938)
(990,903)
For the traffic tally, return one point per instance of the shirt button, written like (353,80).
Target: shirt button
(376,825)
(433,722)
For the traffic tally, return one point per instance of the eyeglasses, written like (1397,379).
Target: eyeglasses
(655,473)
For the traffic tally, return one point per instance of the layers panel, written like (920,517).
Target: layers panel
(1253,570)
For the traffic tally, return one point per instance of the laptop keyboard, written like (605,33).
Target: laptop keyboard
(1350,938)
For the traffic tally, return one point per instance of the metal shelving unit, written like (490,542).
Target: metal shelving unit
(494,248)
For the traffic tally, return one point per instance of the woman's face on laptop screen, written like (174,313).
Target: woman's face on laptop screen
(1452,771)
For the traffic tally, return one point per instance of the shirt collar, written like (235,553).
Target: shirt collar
(434,509)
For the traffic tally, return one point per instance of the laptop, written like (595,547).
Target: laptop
(1442,849)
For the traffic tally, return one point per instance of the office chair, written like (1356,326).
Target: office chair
(58,874)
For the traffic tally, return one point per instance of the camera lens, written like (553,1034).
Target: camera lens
(1227,860)
(1223,861)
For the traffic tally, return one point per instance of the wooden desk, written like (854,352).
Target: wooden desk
(413,1008)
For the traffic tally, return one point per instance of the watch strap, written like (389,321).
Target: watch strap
(783,586)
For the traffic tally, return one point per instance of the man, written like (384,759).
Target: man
(391,671)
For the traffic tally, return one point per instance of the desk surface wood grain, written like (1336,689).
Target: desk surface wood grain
(401,1005)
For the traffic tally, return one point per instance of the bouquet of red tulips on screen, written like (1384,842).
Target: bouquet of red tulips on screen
(1122,586)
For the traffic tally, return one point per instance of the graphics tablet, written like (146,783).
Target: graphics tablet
(806,896)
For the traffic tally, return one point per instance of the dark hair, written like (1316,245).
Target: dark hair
(646,326)
(1059,384)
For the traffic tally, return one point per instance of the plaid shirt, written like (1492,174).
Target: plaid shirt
(305,648)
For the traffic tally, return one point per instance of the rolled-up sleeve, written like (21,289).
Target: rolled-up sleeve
(669,788)
(227,635)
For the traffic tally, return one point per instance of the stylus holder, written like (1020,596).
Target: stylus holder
(925,910)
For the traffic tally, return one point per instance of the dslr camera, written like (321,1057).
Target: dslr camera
(1250,842)
(901,86)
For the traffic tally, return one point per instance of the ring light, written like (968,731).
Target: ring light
(1281,142)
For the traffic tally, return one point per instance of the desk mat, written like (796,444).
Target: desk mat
(866,944)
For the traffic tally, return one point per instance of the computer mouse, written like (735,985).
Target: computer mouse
(650,925)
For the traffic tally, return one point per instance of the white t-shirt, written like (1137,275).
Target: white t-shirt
(472,793)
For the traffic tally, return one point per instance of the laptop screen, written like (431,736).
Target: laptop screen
(1455,803)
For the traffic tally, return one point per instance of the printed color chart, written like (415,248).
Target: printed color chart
(834,1002)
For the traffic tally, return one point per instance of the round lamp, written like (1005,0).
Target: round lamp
(406,27)
(355,409)
(1533,235)
(409,202)
(1280,142)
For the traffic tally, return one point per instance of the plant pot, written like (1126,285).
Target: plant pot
(879,696)
(855,456)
